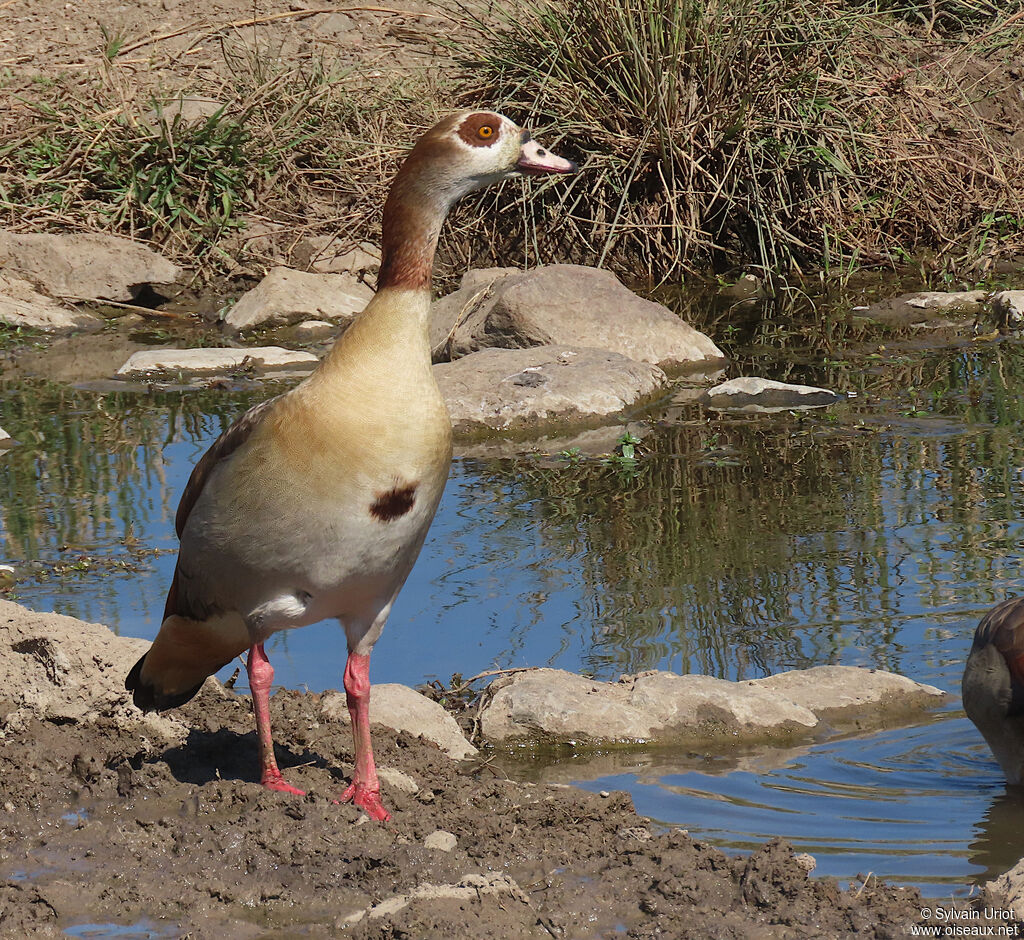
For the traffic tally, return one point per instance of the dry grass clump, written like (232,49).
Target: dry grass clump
(293,150)
(785,134)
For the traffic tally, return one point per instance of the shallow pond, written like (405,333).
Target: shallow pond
(876,533)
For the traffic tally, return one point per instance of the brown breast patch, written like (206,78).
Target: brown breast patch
(393,503)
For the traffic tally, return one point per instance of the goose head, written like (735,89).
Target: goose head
(469,150)
(993,685)
(463,152)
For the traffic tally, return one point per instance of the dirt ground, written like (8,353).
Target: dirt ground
(156,826)
(109,818)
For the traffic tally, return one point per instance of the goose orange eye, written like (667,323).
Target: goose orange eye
(486,132)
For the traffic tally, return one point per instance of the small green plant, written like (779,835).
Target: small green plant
(626,454)
(112,42)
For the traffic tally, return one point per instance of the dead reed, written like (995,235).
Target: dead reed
(781,134)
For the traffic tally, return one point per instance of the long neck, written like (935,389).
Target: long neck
(413,216)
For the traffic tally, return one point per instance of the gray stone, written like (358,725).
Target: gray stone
(549,705)
(749,393)
(1008,307)
(562,304)
(285,296)
(836,692)
(471,889)
(574,443)
(404,709)
(553,705)
(361,261)
(441,840)
(85,267)
(214,360)
(504,389)
(746,290)
(929,309)
(22,305)
(312,330)
(397,779)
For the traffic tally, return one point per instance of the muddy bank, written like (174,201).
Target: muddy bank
(109,818)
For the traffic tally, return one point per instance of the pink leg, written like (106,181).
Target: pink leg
(261,674)
(364,790)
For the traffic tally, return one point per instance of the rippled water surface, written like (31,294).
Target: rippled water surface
(874,534)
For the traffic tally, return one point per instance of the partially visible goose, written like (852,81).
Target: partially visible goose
(993,685)
(315,504)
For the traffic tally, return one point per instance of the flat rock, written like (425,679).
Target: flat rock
(404,709)
(312,330)
(85,267)
(506,389)
(328,257)
(22,305)
(1008,307)
(749,393)
(430,900)
(549,705)
(552,705)
(287,296)
(562,304)
(836,693)
(925,308)
(215,360)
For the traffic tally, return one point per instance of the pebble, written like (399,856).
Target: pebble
(441,840)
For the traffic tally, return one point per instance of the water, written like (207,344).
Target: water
(875,534)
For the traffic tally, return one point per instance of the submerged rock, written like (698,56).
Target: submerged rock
(562,304)
(925,308)
(286,296)
(312,330)
(552,705)
(505,389)
(85,267)
(22,305)
(755,394)
(214,360)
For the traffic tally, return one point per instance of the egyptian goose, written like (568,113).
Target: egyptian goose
(993,685)
(315,504)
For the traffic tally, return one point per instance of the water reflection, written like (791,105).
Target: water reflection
(875,534)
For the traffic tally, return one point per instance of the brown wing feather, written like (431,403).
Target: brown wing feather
(178,603)
(225,445)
